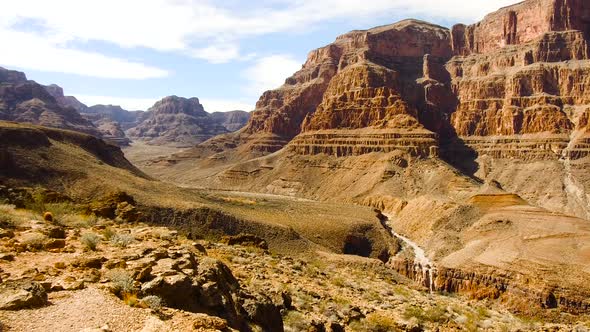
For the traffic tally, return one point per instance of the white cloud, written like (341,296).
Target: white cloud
(25,50)
(217,53)
(130,104)
(269,73)
(176,25)
(222,105)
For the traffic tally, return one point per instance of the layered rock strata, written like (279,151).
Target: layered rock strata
(181,121)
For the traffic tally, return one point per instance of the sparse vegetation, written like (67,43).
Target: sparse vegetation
(295,321)
(436,314)
(375,322)
(7,218)
(121,240)
(122,282)
(90,240)
(108,233)
(78,220)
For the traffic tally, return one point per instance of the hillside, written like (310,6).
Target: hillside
(87,169)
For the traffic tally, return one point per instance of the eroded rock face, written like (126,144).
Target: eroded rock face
(520,24)
(26,101)
(358,81)
(65,101)
(181,121)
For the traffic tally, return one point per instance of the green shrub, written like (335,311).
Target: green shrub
(90,240)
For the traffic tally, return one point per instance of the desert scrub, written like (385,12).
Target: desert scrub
(34,241)
(77,220)
(295,321)
(121,240)
(375,322)
(108,233)
(153,302)
(122,282)
(7,216)
(90,240)
(437,314)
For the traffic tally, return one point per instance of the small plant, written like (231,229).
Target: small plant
(108,233)
(34,241)
(122,282)
(295,321)
(90,240)
(153,302)
(122,240)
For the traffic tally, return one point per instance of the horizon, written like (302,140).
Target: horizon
(225,55)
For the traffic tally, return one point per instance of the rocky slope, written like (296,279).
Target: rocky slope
(232,120)
(114,113)
(112,121)
(22,100)
(182,122)
(66,101)
(98,274)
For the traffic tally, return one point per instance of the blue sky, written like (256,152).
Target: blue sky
(134,52)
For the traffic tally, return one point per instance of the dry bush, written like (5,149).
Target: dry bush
(122,282)
(108,233)
(90,240)
(7,216)
(375,322)
(121,240)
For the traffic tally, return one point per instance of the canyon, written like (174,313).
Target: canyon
(446,131)
(406,177)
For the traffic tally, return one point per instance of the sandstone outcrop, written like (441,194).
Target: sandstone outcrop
(364,79)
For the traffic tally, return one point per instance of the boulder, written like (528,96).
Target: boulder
(21,295)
